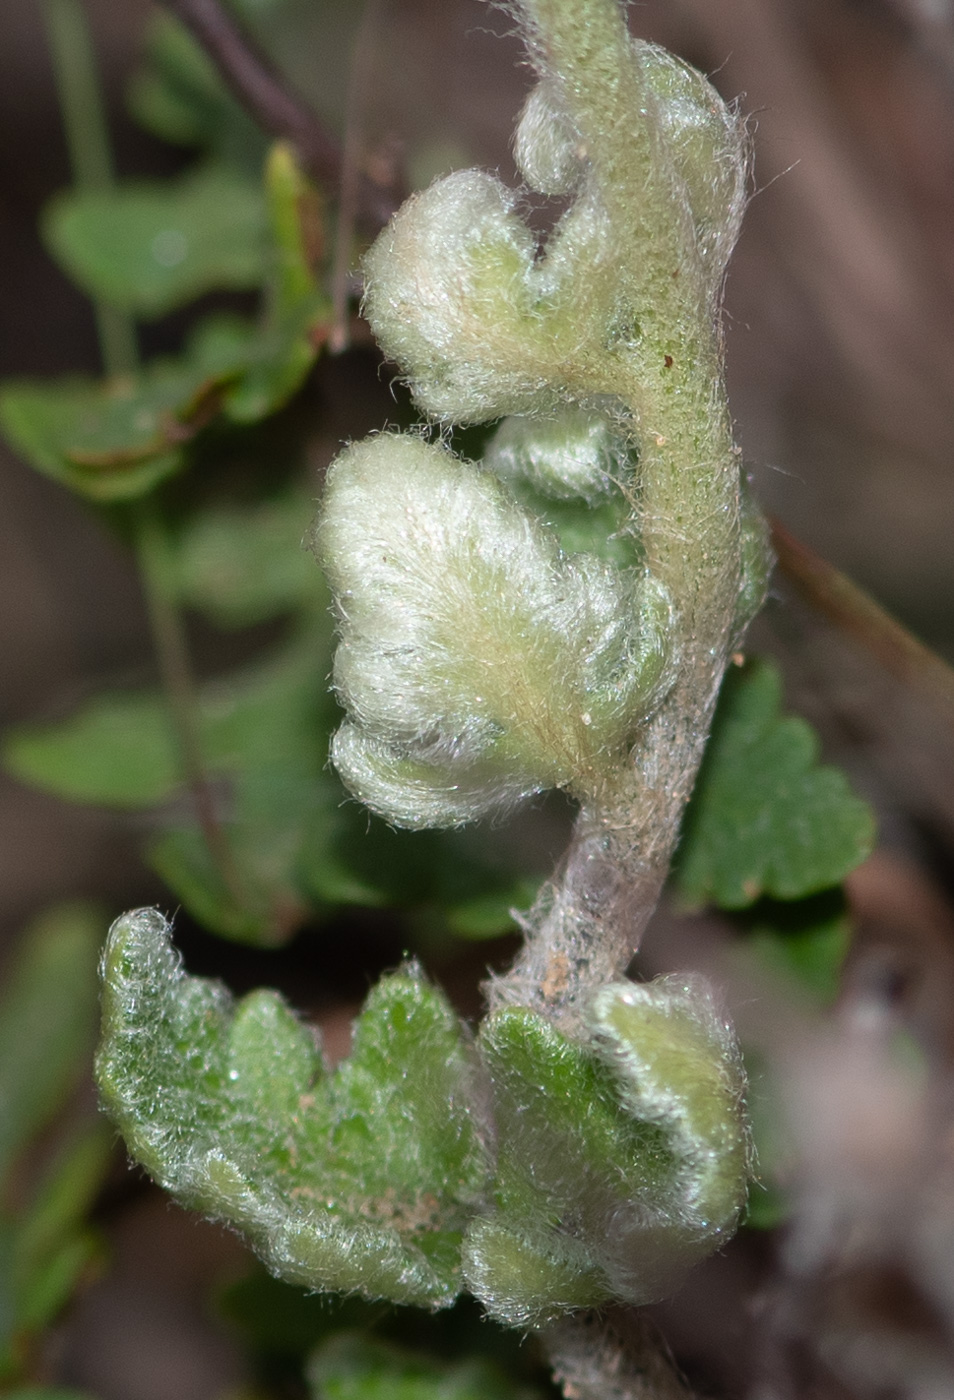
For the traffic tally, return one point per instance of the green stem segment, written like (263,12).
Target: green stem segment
(87,137)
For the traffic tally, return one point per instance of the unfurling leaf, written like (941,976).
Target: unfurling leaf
(358,1180)
(622,1158)
(478,662)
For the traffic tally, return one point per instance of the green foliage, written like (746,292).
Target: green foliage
(350,1367)
(296,842)
(107,441)
(47,1026)
(116,440)
(51,1243)
(149,248)
(264,741)
(562,1156)
(118,749)
(239,565)
(621,1157)
(178,95)
(501,633)
(283,1326)
(802,943)
(357,1180)
(765,818)
(47,1022)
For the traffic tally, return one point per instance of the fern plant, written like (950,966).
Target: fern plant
(558,614)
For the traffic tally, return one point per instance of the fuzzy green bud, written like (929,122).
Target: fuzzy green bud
(622,1156)
(478,663)
(572,454)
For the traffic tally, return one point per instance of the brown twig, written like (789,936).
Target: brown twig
(265,95)
(854,612)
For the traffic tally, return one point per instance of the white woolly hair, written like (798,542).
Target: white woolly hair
(573,454)
(547,146)
(475,660)
(481,325)
(450,292)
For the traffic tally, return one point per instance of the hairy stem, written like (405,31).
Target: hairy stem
(587,923)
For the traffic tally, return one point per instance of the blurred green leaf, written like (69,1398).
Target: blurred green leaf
(47,1021)
(358,1180)
(768,1205)
(802,943)
(118,750)
(297,223)
(449,880)
(278,1319)
(238,566)
(265,732)
(109,441)
(118,439)
(275,363)
(178,95)
(765,817)
(113,440)
(53,1243)
(264,735)
(491,914)
(296,841)
(805,942)
(297,311)
(149,247)
(352,1366)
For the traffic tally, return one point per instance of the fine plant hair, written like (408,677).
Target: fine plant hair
(558,614)
(602,353)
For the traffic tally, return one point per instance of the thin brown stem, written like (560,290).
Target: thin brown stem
(264,93)
(857,614)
